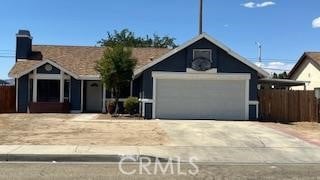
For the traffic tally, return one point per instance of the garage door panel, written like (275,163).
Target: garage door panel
(200,99)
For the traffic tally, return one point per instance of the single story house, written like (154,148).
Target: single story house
(201,79)
(307,69)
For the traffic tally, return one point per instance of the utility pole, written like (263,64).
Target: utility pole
(259,51)
(200,17)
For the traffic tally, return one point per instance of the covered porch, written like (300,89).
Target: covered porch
(49,90)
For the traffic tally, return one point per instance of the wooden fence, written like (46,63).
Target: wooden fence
(288,106)
(7,99)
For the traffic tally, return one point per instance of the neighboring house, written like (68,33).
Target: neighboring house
(201,79)
(307,69)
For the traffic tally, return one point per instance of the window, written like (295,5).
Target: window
(48,90)
(67,90)
(202,53)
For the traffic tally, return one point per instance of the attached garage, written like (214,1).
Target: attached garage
(200,96)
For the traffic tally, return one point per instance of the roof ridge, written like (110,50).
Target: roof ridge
(99,47)
(312,52)
(56,45)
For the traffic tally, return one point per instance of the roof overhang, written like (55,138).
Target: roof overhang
(260,71)
(41,63)
(282,82)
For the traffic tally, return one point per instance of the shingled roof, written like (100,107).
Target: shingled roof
(313,56)
(80,60)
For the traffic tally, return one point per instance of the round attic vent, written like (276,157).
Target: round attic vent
(48,67)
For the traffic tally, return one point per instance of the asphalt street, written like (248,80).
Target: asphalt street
(29,170)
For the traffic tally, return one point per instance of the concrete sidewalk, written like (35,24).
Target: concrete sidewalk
(202,154)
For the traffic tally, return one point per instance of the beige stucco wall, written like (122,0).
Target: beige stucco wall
(307,72)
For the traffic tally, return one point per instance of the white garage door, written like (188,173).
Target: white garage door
(201,99)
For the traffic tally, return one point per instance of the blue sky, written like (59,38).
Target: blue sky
(286,28)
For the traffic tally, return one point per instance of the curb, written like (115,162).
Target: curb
(77,158)
(65,158)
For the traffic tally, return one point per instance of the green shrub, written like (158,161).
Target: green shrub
(131,105)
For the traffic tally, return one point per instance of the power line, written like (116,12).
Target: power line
(7,56)
(275,69)
(275,59)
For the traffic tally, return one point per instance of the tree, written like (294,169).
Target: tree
(116,69)
(283,75)
(127,38)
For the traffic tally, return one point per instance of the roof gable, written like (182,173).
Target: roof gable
(314,57)
(212,40)
(30,65)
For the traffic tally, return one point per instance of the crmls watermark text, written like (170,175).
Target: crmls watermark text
(155,166)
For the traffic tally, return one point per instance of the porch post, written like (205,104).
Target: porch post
(17,94)
(35,86)
(131,88)
(81,108)
(61,86)
(104,98)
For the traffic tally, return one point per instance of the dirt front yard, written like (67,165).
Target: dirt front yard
(81,129)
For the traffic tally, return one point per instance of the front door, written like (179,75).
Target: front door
(94,96)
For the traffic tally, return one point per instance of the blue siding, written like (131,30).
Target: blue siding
(42,70)
(23,93)
(75,94)
(148,111)
(175,63)
(180,61)
(252,112)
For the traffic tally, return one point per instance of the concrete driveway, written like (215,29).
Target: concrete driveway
(233,142)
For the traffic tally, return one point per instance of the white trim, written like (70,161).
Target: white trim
(253,102)
(46,76)
(207,76)
(131,87)
(154,96)
(257,111)
(61,86)
(35,87)
(17,95)
(246,96)
(146,100)
(41,63)
(120,99)
(90,77)
(50,76)
(75,111)
(143,104)
(206,36)
(81,90)
(22,59)
(213,70)
(26,36)
(104,89)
